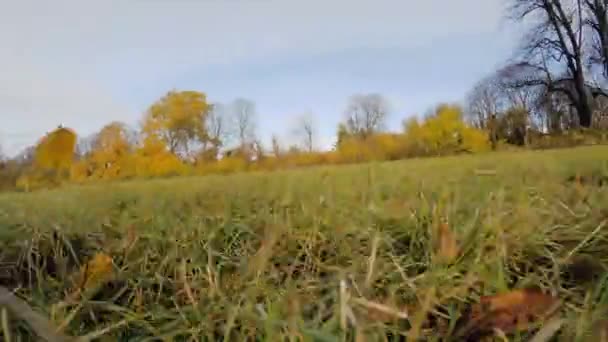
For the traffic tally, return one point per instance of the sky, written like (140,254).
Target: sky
(84,64)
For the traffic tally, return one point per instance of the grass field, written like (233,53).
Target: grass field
(321,254)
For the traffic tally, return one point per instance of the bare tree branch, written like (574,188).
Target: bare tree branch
(365,114)
(305,129)
(244,115)
(39,324)
(555,47)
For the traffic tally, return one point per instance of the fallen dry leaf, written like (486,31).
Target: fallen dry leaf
(447,249)
(94,273)
(518,310)
(600,331)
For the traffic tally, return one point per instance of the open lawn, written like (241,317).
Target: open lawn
(362,252)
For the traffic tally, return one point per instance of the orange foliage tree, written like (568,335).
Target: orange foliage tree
(444,132)
(152,159)
(178,120)
(55,151)
(53,158)
(111,154)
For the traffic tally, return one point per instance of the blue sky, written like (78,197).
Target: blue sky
(84,64)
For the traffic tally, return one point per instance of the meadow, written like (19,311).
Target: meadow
(371,252)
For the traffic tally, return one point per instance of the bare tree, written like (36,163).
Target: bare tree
(366,114)
(84,145)
(26,155)
(305,129)
(217,125)
(553,52)
(244,115)
(597,20)
(483,102)
(276,147)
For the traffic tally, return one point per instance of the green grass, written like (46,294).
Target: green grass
(262,256)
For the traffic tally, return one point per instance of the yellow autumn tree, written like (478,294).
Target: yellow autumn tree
(445,132)
(111,155)
(55,151)
(178,120)
(153,159)
(53,158)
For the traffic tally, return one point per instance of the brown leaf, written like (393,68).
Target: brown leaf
(517,310)
(447,249)
(600,331)
(93,274)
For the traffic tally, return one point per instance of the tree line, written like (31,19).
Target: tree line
(550,92)
(556,79)
(184,134)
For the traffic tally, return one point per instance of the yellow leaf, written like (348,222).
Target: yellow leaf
(95,272)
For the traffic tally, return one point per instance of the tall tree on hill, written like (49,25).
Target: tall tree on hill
(55,151)
(366,114)
(217,132)
(244,117)
(111,149)
(178,120)
(483,102)
(217,125)
(597,20)
(559,50)
(492,105)
(276,146)
(305,129)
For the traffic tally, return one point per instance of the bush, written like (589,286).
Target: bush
(444,132)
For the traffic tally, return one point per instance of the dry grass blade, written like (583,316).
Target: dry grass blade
(6,330)
(39,324)
(548,330)
(346,313)
(97,334)
(385,309)
(187,288)
(421,315)
(69,318)
(372,261)
(260,257)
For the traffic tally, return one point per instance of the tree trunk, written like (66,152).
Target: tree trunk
(583,107)
(584,114)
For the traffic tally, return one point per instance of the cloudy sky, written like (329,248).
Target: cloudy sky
(86,63)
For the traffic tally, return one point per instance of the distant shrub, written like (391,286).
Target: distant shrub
(444,132)
(567,139)
(56,149)
(225,165)
(10,171)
